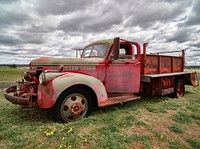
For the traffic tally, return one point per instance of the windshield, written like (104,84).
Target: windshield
(97,50)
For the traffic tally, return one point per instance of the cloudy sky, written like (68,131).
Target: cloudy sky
(39,28)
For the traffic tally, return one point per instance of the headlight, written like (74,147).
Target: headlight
(42,78)
(45,77)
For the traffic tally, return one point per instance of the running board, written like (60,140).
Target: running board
(119,99)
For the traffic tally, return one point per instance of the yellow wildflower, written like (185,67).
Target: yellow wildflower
(70,129)
(162,136)
(52,132)
(47,134)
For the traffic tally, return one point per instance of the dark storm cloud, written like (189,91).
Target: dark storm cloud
(6,53)
(85,23)
(59,7)
(193,54)
(194,17)
(40,29)
(21,38)
(197,45)
(145,14)
(10,16)
(9,40)
(182,35)
(7,1)
(97,18)
(129,13)
(73,24)
(33,38)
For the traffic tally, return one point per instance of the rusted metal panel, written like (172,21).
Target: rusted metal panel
(122,78)
(119,99)
(123,75)
(59,84)
(167,91)
(46,95)
(156,64)
(165,64)
(23,101)
(65,61)
(163,85)
(177,64)
(151,64)
(115,48)
(166,74)
(194,79)
(145,79)
(157,86)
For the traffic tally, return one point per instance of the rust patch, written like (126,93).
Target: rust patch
(43,59)
(46,94)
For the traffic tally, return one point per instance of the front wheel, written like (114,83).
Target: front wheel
(179,89)
(72,105)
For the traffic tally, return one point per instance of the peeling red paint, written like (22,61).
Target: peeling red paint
(43,59)
(46,94)
(102,101)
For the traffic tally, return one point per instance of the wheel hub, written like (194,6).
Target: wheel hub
(76,108)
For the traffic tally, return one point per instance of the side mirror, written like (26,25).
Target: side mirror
(112,58)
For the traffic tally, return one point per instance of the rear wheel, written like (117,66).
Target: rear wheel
(179,89)
(72,105)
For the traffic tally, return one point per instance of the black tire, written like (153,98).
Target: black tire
(72,105)
(179,89)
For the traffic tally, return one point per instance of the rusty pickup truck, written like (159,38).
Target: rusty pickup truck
(109,72)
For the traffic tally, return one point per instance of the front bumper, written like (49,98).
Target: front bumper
(24,101)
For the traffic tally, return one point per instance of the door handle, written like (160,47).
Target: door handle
(137,63)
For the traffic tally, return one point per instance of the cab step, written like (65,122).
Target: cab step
(119,99)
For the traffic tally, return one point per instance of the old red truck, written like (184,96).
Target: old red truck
(108,72)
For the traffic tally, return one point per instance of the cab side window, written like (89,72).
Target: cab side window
(127,51)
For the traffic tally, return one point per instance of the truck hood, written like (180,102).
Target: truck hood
(65,61)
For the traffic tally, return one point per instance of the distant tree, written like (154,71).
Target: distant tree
(13,66)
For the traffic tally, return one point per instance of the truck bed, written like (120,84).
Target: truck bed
(158,64)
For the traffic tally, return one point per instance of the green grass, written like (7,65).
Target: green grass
(182,118)
(173,144)
(156,110)
(139,123)
(176,129)
(141,138)
(196,116)
(193,143)
(11,74)
(151,122)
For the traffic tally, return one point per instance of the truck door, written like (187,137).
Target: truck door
(123,71)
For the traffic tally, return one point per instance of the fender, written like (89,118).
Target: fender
(49,92)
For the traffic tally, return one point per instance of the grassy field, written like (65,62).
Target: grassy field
(11,74)
(152,122)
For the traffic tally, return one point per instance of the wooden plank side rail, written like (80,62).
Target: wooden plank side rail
(157,64)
